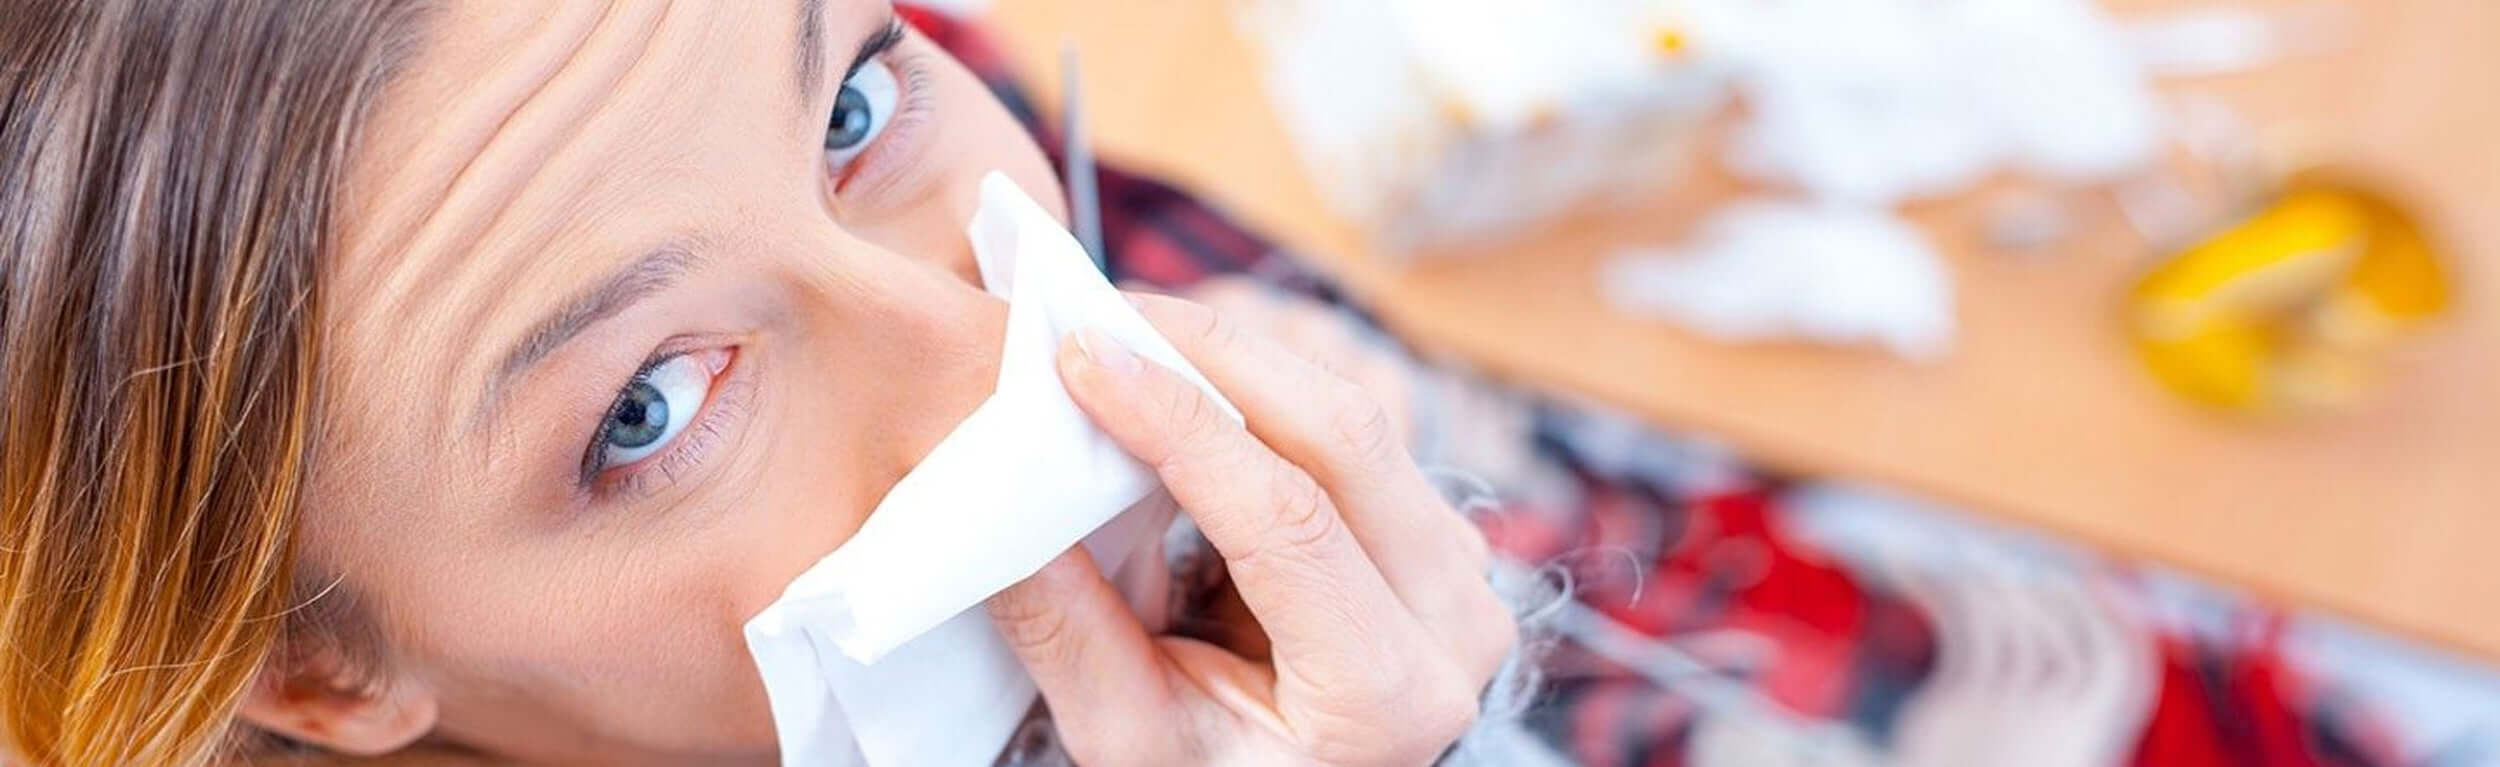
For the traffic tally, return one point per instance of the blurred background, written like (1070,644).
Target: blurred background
(1965,382)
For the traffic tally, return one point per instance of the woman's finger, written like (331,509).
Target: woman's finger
(1105,679)
(1329,336)
(1313,418)
(1347,441)
(1339,635)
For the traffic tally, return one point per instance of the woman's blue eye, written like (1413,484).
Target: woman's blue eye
(641,415)
(852,120)
(860,112)
(653,410)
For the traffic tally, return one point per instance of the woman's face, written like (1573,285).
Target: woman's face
(640,308)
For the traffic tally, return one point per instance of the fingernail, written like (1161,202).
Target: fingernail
(1106,352)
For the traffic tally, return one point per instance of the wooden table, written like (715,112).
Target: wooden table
(2390,513)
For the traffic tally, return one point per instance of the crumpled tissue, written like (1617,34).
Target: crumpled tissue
(1833,273)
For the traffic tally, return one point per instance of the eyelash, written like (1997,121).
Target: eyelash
(911,71)
(726,402)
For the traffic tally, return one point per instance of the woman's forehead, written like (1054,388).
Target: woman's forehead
(497,101)
(522,154)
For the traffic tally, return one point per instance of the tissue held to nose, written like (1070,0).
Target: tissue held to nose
(877,652)
(1380,628)
(1027,473)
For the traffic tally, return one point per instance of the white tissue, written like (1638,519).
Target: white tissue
(1831,273)
(880,654)
(1884,101)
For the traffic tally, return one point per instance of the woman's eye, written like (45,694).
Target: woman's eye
(860,112)
(653,410)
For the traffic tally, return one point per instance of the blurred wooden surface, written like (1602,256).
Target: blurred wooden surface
(2390,513)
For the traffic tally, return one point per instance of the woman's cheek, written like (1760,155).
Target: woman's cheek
(798,489)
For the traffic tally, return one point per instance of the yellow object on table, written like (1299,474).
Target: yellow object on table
(2286,310)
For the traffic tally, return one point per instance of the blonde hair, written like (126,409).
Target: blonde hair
(171,171)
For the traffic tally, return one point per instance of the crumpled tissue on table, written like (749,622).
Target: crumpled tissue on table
(881,653)
(1758,270)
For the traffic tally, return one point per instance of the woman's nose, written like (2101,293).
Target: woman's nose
(889,347)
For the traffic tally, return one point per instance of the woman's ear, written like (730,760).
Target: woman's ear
(321,701)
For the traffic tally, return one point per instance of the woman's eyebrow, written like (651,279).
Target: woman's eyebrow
(641,278)
(811,48)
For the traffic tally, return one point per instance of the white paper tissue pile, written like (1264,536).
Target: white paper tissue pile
(881,654)
(1857,106)
(1879,101)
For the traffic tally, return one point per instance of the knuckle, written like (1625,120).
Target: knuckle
(1301,528)
(1032,628)
(1204,325)
(1198,432)
(1362,428)
(1192,417)
(1305,520)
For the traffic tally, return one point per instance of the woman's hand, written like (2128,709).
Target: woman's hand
(1369,589)
(1329,336)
